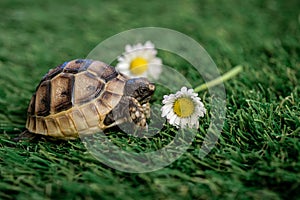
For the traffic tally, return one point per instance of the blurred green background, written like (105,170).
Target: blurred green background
(257,156)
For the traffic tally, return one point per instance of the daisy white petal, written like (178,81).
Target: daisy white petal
(183,89)
(149,44)
(172,119)
(167,109)
(183,108)
(123,66)
(140,60)
(170,114)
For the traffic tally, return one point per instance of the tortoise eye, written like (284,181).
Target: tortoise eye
(143,90)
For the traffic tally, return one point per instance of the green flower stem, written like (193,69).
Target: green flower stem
(219,80)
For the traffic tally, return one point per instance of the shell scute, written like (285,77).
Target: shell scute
(52,128)
(78,119)
(110,99)
(65,125)
(31,107)
(116,86)
(30,123)
(42,99)
(90,114)
(61,92)
(103,70)
(102,107)
(40,125)
(86,87)
(76,66)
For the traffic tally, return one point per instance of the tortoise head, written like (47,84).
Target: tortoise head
(140,89)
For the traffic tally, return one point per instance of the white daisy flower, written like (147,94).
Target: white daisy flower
(183,108)
(140,61)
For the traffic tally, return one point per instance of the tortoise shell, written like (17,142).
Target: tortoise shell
(75,97)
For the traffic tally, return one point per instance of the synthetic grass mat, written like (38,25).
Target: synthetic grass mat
(257,155)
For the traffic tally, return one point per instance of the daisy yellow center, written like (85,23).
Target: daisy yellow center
(183,107)
(138,66)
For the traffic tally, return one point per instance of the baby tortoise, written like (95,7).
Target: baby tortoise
(87,96)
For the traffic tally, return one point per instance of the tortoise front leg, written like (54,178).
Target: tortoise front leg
(128,112)
(137,113)
(146,109)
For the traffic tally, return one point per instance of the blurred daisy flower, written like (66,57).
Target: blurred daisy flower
(183,108)
(140,61)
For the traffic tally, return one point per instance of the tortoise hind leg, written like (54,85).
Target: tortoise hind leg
(26,135)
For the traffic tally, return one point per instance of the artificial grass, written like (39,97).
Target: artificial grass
(257,155)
